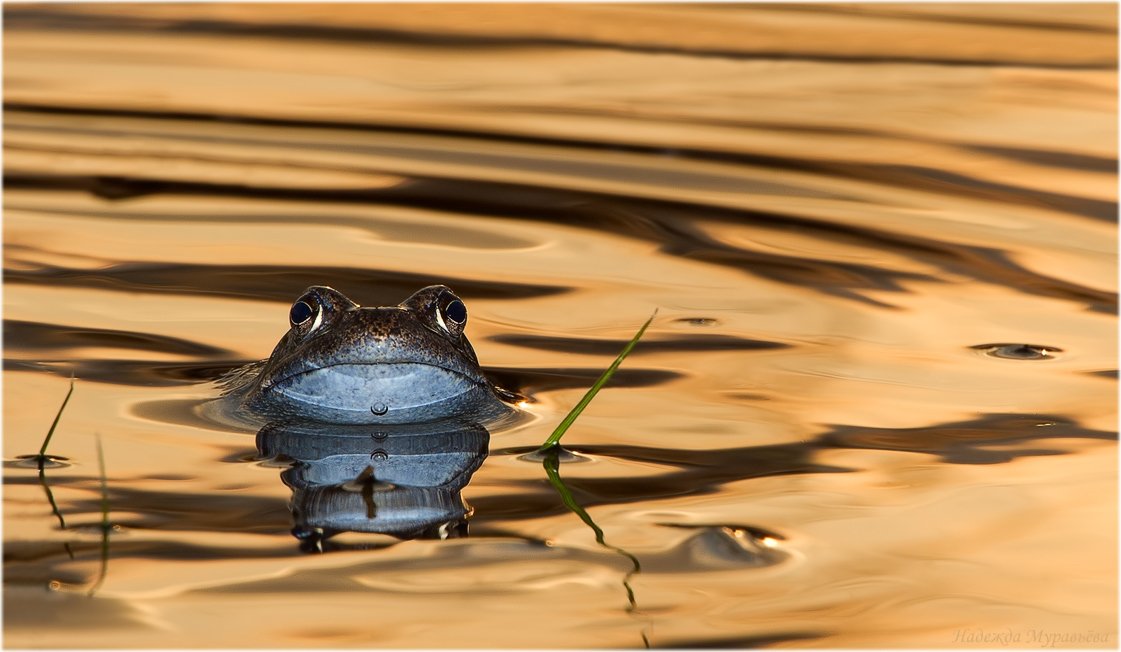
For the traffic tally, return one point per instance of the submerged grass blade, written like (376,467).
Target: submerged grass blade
(551,462)
(50,433)
(105,527)
(554,439)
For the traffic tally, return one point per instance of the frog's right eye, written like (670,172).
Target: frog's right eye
(303,310)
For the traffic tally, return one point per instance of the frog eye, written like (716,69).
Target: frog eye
(302,311)
(451,315)
(456,312)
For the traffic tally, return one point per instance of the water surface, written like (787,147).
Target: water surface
(876,408)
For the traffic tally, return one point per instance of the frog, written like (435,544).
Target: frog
(342,363)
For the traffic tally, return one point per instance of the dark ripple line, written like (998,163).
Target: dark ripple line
(982,440)
(908,176)
(25,18)
(275,282)
(184,511)
(663,221)
(1051,158)
(133,373)
(927,178)
(37,336)
(23,552)
(534,380)
(694,473)
(662,177)
(739,642)
(163,155)
(486,198)
(991,438)
(449,233)
(695,343)
(983,264)
(885,11)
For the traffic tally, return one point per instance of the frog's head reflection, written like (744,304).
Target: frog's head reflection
(404,481)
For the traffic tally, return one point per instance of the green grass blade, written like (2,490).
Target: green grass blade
(50,433)
(561,428)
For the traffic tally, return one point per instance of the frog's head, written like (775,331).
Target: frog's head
(342,363)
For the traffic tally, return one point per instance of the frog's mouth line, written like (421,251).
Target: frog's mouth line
(269,385)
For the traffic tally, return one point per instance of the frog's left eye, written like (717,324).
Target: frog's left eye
(456,312)
(300,313)
(451,314)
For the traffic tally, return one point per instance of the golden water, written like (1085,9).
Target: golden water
(830,206)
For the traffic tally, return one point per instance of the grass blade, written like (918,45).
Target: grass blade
(50,433)
(568,420)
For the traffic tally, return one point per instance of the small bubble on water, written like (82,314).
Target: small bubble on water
(54,585)
(379,408)
(1018,351)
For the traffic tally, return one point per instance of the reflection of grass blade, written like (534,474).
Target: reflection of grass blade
(552,470)
(555,438)
(50,433)
(105,527)
(54,507)
(50,499)
(366,477)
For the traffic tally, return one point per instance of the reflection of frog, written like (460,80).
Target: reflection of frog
(344,364)
(404,481)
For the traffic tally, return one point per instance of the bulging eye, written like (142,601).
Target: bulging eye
(451,314)
(456,312)
(301,312)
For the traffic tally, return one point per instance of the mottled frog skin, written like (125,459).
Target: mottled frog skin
(340,363)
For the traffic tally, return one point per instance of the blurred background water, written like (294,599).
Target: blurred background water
(877,406)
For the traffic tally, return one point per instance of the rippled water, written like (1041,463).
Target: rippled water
(877,405)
